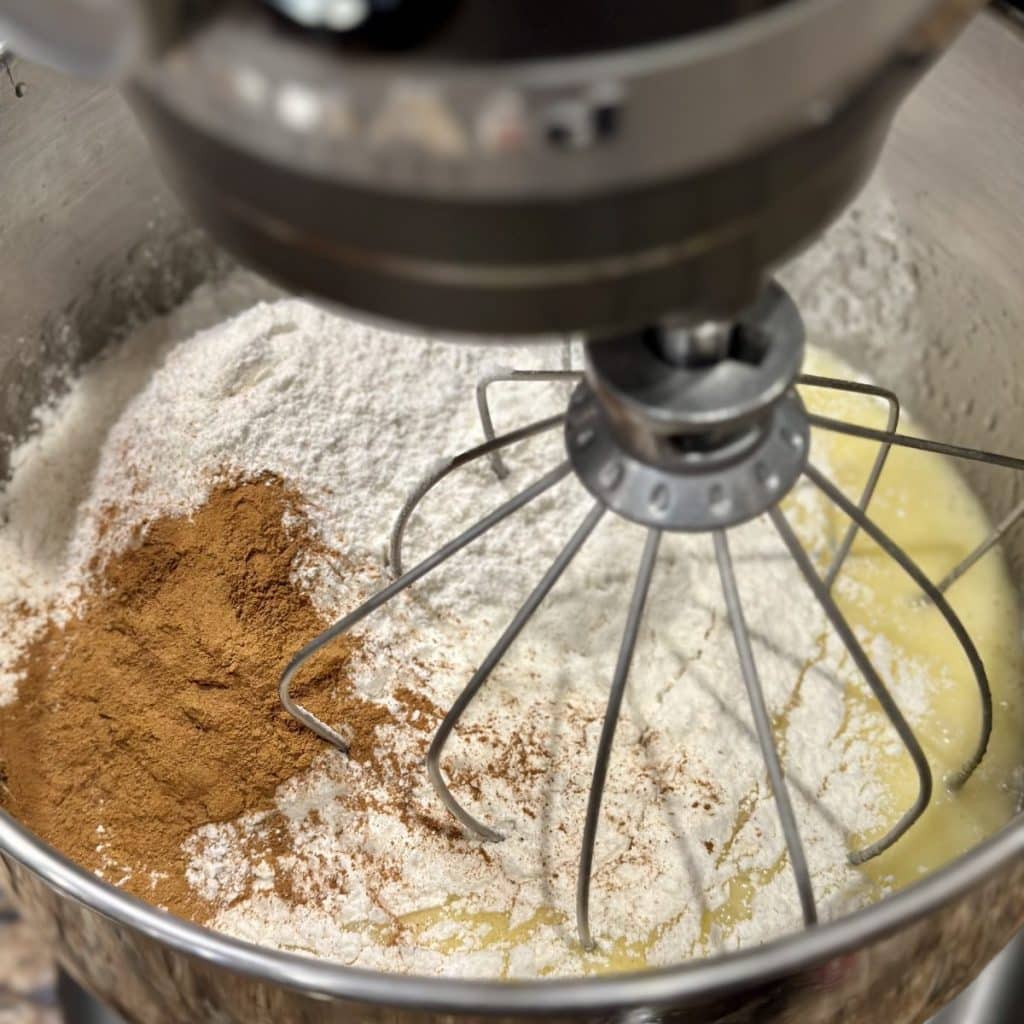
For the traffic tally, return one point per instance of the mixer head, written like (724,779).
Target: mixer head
(496,169)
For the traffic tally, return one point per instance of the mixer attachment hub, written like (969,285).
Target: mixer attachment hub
(695,489)
(693,427)
(712,379)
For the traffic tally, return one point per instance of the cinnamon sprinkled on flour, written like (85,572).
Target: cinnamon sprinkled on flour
(154,710)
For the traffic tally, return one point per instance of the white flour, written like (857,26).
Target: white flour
(690,856)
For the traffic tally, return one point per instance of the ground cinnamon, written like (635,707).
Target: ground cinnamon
(154,710)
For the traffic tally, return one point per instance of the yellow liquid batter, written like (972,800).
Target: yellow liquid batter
(924,505)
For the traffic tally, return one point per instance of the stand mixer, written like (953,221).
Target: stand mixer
(630,176)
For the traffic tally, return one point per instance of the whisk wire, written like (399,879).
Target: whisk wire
(510,376)
(515,627)
(386,594)
(1001,529)
(611,720)
(763,728)
(1014,516)
(892,399)
(921,444)
(447,466)
(957,779)
(906,734)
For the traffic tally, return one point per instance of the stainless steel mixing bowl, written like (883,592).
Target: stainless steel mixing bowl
(91,242)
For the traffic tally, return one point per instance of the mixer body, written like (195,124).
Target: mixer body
(544,195)
(521,169)
(896,961)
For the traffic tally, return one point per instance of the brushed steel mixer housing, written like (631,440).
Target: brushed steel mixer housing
(563,180)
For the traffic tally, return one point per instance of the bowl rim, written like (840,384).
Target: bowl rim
(675,985)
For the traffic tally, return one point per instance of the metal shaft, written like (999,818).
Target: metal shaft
(515,627)
(924,775)
(763,728)
(611,721)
